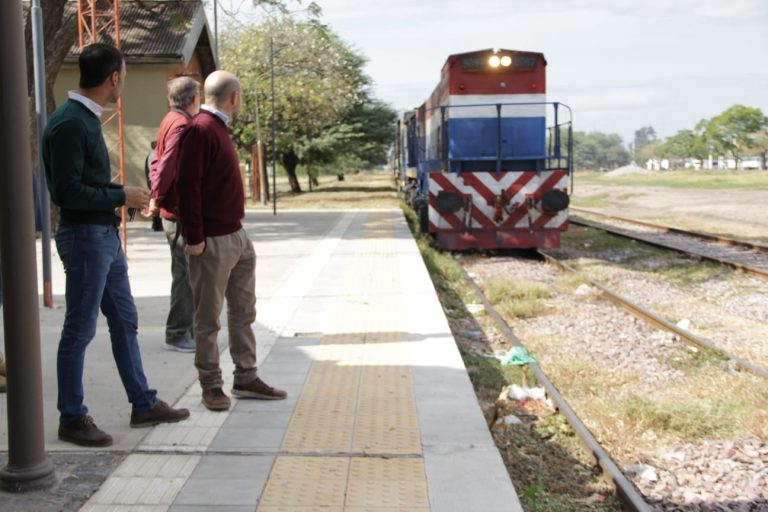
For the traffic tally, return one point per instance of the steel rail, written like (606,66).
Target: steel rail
(620,232)
(669,229)
(659,322)
(625,490)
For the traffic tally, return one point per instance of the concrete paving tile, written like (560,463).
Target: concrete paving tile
(468,480)
(207,508)
(138,491)
(300,340)
(192,439)
(261,419)
(152,465)
(248,439)
(123,508)
(287,381)
(221,492)
(254,405)
(233,467)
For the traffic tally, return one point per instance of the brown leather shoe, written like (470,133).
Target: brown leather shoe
(2,366)
(257,388)
(84,432)
(214,399)
(160,413)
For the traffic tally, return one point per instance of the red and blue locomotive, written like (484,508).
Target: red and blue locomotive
(486,161)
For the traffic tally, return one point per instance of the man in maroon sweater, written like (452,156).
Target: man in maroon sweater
(222,261)
(184,102)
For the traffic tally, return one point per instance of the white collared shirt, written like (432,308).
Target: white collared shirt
(89,103)
(218,113)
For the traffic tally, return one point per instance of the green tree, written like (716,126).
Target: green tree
(374,122)
(685,144)
(318,80)
(760,143)
(734,130)
(644,137)
(599,151)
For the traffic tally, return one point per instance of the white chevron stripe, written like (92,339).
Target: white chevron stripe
(479,202)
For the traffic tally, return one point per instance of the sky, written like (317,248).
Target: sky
(619,64)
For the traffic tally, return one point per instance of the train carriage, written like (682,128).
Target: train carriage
(486,161)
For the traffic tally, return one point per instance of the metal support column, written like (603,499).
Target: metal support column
(38,48)
(28,464)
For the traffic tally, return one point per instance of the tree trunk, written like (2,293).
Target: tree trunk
(290,162)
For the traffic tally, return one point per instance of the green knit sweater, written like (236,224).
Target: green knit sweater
(77,167)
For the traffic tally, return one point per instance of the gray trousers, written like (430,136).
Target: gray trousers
(180,316)
(225,270)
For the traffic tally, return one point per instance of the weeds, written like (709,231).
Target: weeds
(516,298)
(688,418)
(698,358)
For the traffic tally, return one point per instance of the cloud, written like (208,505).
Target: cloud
(423,11)
(614,99)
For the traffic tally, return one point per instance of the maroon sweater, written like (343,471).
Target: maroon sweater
(162,168)
(209,188)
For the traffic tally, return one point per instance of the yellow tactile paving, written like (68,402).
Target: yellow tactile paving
(386,493)
(376,468)
(385,509)
(308,468)
(317,492)
(357,403)
(302,509)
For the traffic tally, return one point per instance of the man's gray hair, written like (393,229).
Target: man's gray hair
(182,92)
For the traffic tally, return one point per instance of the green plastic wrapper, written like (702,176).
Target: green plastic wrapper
(518,356)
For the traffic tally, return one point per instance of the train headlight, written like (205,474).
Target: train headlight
(494,61)
(506,61)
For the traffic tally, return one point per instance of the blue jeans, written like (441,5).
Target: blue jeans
(97,276)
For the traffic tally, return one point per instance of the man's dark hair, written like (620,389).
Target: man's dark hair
(97,62)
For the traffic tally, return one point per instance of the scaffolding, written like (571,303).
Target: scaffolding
(99,21)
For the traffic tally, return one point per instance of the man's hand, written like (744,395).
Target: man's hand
(152,210)
(136,197)
(195,250)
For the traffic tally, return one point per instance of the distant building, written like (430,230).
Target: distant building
(160,41)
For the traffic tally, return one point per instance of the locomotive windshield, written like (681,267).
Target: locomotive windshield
(472,62)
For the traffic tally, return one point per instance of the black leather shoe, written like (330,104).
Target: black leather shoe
(160,413)
(84,432)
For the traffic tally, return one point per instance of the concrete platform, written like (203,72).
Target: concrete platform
(381,415)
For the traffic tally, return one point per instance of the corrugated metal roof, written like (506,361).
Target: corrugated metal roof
(156,28)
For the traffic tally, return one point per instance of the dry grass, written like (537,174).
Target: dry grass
(516,298)
(369,189)
(707,404)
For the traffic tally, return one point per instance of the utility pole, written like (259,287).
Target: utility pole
(274,129)
(38,50)
(28,464)
(216,30)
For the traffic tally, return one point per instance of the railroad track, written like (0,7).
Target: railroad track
(659,322)
(739,254)
(626,492)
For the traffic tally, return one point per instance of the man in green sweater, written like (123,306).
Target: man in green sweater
(77,167)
